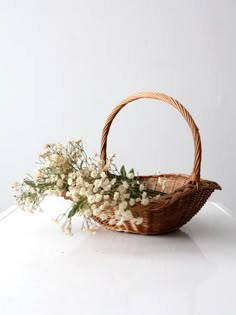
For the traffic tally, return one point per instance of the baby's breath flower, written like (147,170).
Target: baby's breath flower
(132,202)
(121,189)
(59,183)
(103,216)
(116,196)
(141,187)
(113,181)
(98,198)
(94,174)
(88,213)
(123,205)
(82,191)
(130,175)
(112,222)
(106,204)
(145,202)
(96,212)
(103,175)
(144,194)
(95,188)
(91,199)
(125,184)
(139,221)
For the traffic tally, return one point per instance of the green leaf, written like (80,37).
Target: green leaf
(72,212)
(75,209)
(131,171)
(29,183)
(123,171)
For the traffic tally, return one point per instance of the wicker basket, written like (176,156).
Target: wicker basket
(185,194)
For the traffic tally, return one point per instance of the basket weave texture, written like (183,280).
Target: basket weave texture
(184,194)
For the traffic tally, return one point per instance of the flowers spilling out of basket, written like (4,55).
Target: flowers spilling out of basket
(93,186)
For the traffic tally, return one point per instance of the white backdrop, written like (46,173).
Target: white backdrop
(65,64)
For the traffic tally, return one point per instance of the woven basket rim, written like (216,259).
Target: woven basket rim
(169,198)
(188,188)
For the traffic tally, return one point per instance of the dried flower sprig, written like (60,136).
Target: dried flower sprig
(94,187)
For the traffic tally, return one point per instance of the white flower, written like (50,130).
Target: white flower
(144,194)
(139,221)
(59,182)
(123,205)
(141,187)
(125,184)
(113,181)
(89,193)
(103,175)
(88,180)
(116,196)
(74,175)
(96,212)
(107,188)
(98,197)
(97,183)
(103,216)
(126,196)
(121,222)
(70,181)
(27,201)
(106,204)
(95,190)
(130,175)
(145,202)
(112,222)
(91,199)
(93,174)
(91,168)
(32,190)
(121,189)
(59,146)
(79,180)
(73,191)
(100,163)
(88,213)
(127,215)
(105,183)
(132,202)
(82,191)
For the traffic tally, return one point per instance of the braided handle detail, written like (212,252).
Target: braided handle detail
(195,176)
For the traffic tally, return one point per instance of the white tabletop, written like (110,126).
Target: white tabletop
(44,272)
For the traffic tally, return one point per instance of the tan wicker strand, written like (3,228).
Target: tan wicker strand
(195,176)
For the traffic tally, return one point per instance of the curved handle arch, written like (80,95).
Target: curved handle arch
(195,176)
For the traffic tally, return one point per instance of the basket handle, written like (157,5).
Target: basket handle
(195,176)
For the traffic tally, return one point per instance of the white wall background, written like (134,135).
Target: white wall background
(65,64)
